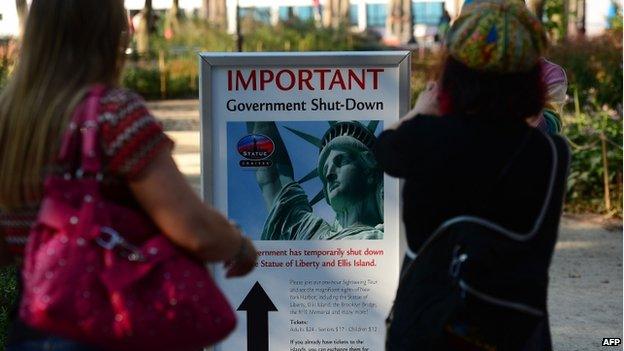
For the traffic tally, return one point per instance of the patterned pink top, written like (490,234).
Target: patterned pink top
(130,138)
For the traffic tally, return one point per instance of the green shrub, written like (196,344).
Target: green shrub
(298,35)
(594,68)
(586,129)
(179,76)
(594,111)
(8,58)
(195,35)
(8,296)
(147,80)
(143,79)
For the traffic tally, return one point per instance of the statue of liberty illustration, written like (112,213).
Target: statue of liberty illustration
(352,185)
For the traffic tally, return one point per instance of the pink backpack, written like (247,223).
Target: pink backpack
(86,278)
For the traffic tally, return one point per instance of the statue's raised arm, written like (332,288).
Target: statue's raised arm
(351,181)
(272,179)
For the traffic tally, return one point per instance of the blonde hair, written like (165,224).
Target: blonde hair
(67,45)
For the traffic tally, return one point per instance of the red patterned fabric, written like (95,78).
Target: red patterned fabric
(130,138)
(15,228)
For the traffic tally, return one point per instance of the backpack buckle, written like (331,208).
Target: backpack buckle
(456,262)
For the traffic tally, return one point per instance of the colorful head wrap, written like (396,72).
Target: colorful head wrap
(496,36)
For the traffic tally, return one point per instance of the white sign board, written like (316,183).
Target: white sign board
(286,153)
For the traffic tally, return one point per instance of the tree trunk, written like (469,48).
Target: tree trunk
(399,24)
(336,13)
(204,9)
(328,13)
(576,19)
(22,12)
(145,28)
(173,19)
(581,17)
(215,12)
(149,15)
(565,18)
(537,7)
(571,12)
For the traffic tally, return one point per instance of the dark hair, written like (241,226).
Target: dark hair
(491,96)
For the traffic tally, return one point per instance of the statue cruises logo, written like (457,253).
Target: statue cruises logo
(256,149)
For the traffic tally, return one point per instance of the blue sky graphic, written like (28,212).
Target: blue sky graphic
(245,203)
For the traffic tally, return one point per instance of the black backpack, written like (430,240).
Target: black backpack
(472,286)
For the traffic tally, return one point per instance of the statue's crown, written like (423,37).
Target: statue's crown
(352,129)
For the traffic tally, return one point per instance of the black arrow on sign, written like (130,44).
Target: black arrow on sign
(257,304)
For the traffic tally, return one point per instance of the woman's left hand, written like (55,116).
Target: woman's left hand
(244,261)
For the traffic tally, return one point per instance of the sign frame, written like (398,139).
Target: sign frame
(209,62)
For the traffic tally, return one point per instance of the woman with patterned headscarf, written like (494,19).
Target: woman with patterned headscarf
(556,81)
(466,149)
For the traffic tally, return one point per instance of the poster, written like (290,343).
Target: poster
(287,154)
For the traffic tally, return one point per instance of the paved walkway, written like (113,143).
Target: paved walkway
(585,297)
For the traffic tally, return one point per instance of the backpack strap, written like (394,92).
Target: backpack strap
(521,237)
(481,201)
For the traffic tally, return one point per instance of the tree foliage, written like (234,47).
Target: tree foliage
(593,120)
(8,296)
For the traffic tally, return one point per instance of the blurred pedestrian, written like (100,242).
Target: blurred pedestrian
(556,81)
(73,50)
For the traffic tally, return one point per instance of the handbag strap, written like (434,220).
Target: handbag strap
(85,120)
